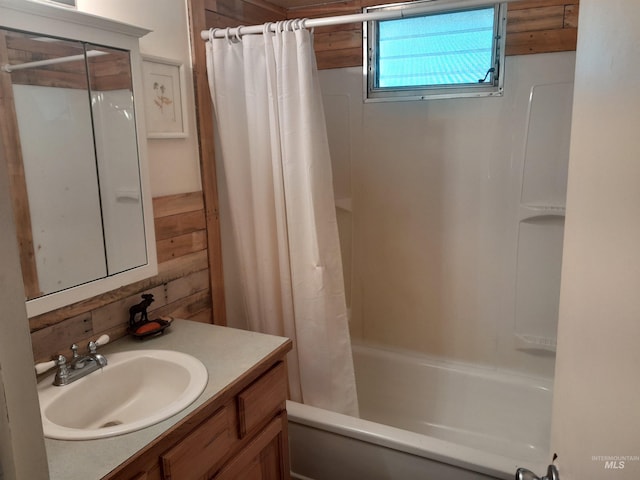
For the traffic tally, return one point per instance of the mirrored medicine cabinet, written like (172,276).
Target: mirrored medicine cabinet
(71,136)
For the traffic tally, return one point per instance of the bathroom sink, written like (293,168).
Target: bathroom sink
(135,390)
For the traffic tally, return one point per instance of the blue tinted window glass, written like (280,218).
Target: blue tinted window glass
(442,49)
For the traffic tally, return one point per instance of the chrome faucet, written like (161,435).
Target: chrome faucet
(524,474)
(79,366)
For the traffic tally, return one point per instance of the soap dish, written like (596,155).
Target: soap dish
(149,328)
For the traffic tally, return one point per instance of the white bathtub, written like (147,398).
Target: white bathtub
(424,419)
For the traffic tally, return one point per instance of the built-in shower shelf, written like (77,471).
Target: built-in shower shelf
(343,204)
(530,212)
(535,342)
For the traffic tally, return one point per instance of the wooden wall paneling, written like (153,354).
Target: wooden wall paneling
(174,225)
(167,271)
(180,225)
(534,26)
(351,57)
(110,72)
(346,39)
(59,337)
(50,77)
(278,11)
(38,50)
(23,48)
(117,313)
(327,9)
(12,154)
(545,18)
(336,46)
(185,307)
(204,119)
(186,286)
(543,41)
(181,288)
(542,26)
(180,203)
(527,4)
(571,16)
(247,13)
(182,244)
(220,21)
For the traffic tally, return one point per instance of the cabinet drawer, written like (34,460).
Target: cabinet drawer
(202,450)
(263,399)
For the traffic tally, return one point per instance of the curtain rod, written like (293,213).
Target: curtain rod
(51,61)
(400,11)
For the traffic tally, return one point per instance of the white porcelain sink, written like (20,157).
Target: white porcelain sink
(136,389)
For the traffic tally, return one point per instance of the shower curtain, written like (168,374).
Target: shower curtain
(277,167)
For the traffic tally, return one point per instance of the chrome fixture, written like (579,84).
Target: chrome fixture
(79,366)
(524,474)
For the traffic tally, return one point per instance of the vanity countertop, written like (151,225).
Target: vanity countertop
(227,354)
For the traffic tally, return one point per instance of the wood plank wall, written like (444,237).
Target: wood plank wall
(533,26)
(11,153)
(231,13)
(181,288)
(541,26)
(106,72)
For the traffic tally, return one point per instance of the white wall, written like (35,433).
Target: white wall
(174,163)
(435,188)
(597,390)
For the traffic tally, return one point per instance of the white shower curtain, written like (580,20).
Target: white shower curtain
(277,167)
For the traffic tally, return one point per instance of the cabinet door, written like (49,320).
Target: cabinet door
(202,450)
(265,458)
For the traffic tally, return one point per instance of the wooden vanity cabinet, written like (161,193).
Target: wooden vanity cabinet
(239,434)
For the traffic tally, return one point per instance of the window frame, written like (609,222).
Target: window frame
(386,94)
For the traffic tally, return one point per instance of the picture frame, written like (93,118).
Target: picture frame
(164,97)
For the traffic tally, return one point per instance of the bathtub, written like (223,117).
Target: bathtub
(425,419)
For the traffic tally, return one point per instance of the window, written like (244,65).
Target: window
(435,55)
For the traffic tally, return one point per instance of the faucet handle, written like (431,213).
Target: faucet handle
(44,366)
(102,340)
(74,349)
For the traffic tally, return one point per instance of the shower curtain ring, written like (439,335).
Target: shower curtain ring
(238,34)
(212,33)
(266,28)
(227,33)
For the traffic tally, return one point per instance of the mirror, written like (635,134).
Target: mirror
(74,162)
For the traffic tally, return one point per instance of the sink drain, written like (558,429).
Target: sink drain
(112,423)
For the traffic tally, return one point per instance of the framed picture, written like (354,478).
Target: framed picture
(164,97)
